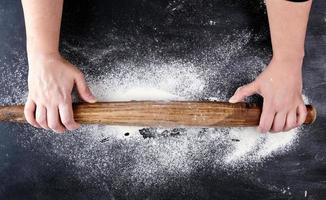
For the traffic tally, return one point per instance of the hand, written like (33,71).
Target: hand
(50,82)
(281,87)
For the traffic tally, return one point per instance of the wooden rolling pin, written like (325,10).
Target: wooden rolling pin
(161,113)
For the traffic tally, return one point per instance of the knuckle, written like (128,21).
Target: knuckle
(47,94)
(287,102)
(278,107)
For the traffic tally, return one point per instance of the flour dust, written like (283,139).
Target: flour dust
(144,156)
(149,156)
(117,156)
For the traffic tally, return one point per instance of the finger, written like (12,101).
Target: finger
(67,116)
(53,120)
(266,118)
(83,89)
(291,120)
(279,122)
(301,114)
(41,116)
(243,92)
(29,112)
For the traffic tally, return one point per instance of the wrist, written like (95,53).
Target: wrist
(296,57)
(37,57)
(33,51)
(36,49)
(292,67)
(36,54)
(290,61)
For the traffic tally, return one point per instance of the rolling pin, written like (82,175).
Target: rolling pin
(161,113)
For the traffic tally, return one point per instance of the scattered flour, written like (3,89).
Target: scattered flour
(254,146)
(139,93)
(117,156)
(248,145)
(160,157)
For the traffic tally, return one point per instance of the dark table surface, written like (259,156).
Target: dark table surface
(137,31)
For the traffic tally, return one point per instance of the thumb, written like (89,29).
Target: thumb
(243,92)
(83,89)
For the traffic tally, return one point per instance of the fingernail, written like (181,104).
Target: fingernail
(92,99)
(232,100)
(36,126)
(77,126)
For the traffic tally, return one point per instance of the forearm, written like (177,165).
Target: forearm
(42,21)
(288,25)
(51,78)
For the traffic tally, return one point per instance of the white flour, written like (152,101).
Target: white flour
(252,146)
(158,158)
(119,156)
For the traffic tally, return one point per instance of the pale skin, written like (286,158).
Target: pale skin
(51,78)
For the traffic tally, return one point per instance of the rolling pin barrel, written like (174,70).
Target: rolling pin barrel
(161,113)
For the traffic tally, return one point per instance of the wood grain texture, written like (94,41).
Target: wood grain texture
(160,113)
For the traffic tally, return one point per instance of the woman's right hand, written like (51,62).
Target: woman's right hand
(51,80)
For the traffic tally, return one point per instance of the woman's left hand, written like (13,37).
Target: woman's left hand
(280,84)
